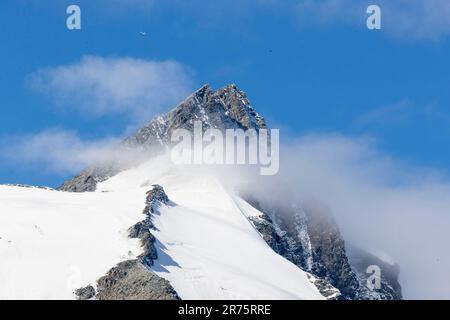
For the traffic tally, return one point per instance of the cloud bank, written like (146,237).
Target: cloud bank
(380,204)
(98,86)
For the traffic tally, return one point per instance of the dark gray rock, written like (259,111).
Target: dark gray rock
(325,288)
(85,293)
(329,254)
(131,280)
(284,229)
(147,240)
(142,230)
(155,197)
(87,181)
(265,227)
(281,241)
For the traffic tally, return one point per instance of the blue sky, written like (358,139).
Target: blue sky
(306,66)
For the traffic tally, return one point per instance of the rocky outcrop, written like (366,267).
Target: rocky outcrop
(142,230)
(325,288)
(85,293)
(329,254)
(226,108)
(155,198)
(133,279)
(87,181)
(264,225)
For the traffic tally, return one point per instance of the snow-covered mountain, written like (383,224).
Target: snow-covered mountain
(205,246)
(149,229)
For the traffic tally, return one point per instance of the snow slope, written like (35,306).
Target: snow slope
(54,242)
(207,249)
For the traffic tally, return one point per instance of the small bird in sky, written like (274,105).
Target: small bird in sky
(143,33)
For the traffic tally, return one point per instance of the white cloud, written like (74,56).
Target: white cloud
(392,113)
(384,204)
(55,151)
(98,86)
(380,203)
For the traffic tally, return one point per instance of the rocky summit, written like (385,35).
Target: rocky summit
(226,108)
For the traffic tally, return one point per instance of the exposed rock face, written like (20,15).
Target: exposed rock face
(285,231)
(325,288)
(311,239)
(264,225)
(329,254)
(226,108)
(88,179)
(85,293)
(131,280)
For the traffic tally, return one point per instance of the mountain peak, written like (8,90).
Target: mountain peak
(206,91)
(225,108)
(203,91)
